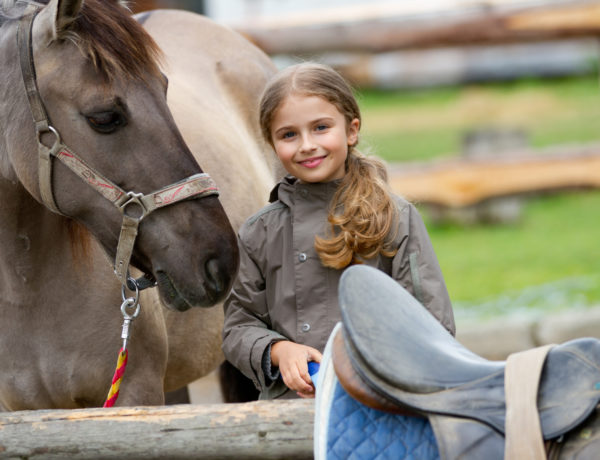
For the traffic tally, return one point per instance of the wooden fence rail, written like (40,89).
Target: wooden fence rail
(466,181)
(257,430)
(405,25)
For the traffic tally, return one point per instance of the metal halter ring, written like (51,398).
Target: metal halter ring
(130,303)
(131,282)
(135,200)
(52,130)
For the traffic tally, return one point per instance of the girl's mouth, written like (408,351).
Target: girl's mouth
(312,162)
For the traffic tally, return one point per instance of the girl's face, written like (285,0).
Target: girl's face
(311,138)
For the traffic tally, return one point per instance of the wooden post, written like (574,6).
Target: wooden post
(256,430)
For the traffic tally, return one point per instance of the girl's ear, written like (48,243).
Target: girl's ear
(353,129)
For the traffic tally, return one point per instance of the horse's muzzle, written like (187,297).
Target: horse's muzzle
(211,289)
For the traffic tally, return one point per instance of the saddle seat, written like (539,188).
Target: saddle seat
(407,358)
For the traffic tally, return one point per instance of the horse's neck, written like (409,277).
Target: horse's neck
(29,237)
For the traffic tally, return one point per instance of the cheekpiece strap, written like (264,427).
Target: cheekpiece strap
(38,113)
(24,31)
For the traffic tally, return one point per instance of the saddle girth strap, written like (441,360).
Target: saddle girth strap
(523,430)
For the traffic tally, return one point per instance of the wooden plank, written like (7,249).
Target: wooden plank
(257,430)
(463,182)
(386,29)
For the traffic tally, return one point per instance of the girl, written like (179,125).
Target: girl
(334,209)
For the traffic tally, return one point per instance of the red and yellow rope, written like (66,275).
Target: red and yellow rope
(113,393)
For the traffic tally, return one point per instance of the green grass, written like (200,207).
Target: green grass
(408,146)
(551,257)
(556,239)
(422,125)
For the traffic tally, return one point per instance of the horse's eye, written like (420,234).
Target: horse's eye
(106,122)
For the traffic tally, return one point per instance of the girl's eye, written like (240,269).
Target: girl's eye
(322,127)
(288,134)
(106,122)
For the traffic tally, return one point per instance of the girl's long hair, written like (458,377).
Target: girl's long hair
(362,216)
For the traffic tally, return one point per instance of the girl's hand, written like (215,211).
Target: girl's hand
(292,359)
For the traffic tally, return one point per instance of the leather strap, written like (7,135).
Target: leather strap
(38,113)
(129,231)
(197,186)
(523,430)
(45,155)
(94,179)
(28,69)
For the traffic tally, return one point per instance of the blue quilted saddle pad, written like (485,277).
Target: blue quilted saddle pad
(359,432)
(346,429)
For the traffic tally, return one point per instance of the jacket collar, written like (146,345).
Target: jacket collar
(285,190)
(274,195)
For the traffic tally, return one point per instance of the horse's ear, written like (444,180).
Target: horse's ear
(58,15)
(66,12)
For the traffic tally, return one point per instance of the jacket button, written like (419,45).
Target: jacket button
(302,257)
(305,327)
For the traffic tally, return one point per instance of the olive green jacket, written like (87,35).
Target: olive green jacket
(283,292)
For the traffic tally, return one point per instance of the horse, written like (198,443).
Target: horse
(98,128)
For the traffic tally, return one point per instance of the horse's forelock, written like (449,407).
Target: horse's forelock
(107,34)
(116,43)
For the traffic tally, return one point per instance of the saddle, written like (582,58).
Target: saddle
(391,354)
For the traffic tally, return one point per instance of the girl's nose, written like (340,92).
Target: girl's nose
(307,144)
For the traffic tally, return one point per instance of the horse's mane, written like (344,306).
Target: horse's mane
(108,35)
(80,240)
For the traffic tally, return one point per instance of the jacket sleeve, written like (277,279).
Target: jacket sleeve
(246,331)
(416,268)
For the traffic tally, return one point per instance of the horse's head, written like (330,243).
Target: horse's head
(105,96)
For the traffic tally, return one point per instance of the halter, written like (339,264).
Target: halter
(133,206)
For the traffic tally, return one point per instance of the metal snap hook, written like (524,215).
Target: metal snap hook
(128,319)
(130,303)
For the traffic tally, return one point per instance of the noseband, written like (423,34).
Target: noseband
(133,206)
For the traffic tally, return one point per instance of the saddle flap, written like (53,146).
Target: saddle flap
(403,353)
(463,438)
(402,342)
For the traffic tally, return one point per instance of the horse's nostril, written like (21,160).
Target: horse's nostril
(214,277)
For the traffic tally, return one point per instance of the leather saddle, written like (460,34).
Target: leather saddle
(393,355)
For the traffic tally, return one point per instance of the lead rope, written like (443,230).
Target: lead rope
(129,303)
